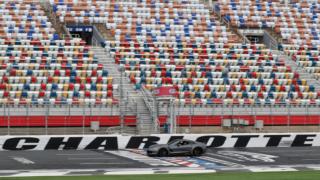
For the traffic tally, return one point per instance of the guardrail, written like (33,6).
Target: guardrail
(97,38)
(270,41)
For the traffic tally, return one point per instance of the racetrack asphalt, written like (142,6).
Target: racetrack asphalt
(214,158)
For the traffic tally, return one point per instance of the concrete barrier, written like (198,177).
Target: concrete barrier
(115,142)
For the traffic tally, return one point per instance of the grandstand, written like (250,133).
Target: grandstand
(68,63)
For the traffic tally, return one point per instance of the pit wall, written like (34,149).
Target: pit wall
(115,142)
(182,120)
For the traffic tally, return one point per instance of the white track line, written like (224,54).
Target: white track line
(285,151)
(225,157)
(92,158)
(40,173)
(128,172)
(142,158)
(220,161)
(100,163)
(23,160)
(76,154)
(190,171)
(315,167)
(271,169)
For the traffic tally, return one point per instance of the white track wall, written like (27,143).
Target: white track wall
(114,142)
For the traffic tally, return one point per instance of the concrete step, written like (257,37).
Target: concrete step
(302,72)
(145,118)
(145,124)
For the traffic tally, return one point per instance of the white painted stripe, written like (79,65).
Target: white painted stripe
(128,172)
(178,171)
(314,167)
(186,163)
(271,169)
(248,156)
(8,171)
(225,157)
(142,158)
(287,150)
(76,154)
(42,173)
(92,158)
(220,161)
(81,175)
(105,163)
(48,170)
(232,168)
(190,171)
(23,160)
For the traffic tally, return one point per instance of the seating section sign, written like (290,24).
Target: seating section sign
(115,142)
(164,91)
(80,28)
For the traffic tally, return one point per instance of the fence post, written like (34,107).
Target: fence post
(46,118)
(307,119)
(232,117)
(28,118)
(288,117)
(69,114)
(8,118)
(193,107)
(138,124)
(271,116)
(178,117)
(83,119)
(121,69)
(91,115)
(190,116)
(253,115)
(318,115)
(212,116)
(222,112)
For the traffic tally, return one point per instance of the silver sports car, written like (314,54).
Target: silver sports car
(177,147)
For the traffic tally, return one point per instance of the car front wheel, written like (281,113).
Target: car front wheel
(163,152)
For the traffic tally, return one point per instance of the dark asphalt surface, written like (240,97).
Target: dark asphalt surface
(214,158)
(64,160)
(282,156)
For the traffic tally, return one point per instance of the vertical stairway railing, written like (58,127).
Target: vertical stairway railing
(150,102)
(97,38)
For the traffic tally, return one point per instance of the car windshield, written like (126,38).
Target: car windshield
(174,141)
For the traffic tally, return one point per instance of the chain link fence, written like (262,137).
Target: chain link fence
(106,119)
(244,119)
(64,119)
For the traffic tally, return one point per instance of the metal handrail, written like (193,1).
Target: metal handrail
(146,97)
(150,103)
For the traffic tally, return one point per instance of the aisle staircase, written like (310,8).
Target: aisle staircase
(302,72)
(133,101)
(59,27)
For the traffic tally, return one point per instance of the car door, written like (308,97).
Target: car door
(180,147)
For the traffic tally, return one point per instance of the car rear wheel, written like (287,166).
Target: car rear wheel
(163,152)
(197,152)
